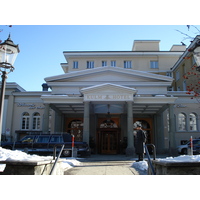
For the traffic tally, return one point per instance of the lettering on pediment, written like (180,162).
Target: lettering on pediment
(108,97)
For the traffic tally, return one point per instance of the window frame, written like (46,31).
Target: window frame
(182,122)
(154,64)
(25,121)
(177,75)
(104,63)
(127,64)
(75,64)
(90,64)
(113,62)
(194,117)
(36,121)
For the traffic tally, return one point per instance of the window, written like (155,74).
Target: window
(56,139)
(177,75)
(104,63)
(154,64)
(75,127)
(75,65)
(193,122)
(43,139)
(90,64)
(25,121)
(169,74)
(184,86)
(36,121)
(127,64)
(113,63)
(181,122)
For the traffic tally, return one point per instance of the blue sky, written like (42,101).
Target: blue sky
(42,46)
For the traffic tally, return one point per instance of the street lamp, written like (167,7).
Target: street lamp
(8,54)
(196,54)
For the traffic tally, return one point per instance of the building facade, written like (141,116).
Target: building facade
(99,97)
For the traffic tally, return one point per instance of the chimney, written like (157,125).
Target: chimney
(45,87)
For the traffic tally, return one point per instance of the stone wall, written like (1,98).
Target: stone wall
(32,168)
(176,168)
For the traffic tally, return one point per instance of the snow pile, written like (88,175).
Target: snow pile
(15,155)
(182,158)
(9,155)
(142,165)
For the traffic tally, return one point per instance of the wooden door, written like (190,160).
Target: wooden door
(109,141)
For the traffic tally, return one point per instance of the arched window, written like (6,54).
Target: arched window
(193,122)
(36,121)
(25,121)
(181,122)
(75,127)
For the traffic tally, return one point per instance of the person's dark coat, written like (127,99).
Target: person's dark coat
(139,140)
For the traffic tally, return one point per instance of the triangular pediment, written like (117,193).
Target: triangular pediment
(108,92)
(109,74)
(108,88)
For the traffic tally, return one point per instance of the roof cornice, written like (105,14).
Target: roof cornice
(120,53)
(106,69)
(185,53)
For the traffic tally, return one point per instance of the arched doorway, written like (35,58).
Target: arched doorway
(108,136)
(75,127)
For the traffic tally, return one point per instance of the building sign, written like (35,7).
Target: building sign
(108,97)
(30,106)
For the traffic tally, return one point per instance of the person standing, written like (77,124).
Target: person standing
(140,139)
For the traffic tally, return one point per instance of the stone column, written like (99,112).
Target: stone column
(172,129)
(86,123)
(130,147)
(45,127)
(159,133)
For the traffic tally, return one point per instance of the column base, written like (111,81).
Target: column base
(130,151)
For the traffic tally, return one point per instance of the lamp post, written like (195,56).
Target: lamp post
(8,54)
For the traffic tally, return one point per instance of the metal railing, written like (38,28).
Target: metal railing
(149,158)
(54,155)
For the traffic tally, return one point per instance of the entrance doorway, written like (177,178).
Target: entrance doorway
(108,136)
(108,140)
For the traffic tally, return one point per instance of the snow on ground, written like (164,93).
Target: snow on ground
(142,166)
(10,155)
(182,158)
(15,155)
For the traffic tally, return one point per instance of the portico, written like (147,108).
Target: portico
(112,102)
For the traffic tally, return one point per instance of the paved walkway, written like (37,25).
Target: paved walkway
(104,165)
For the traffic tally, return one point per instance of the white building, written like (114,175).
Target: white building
(99,97)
